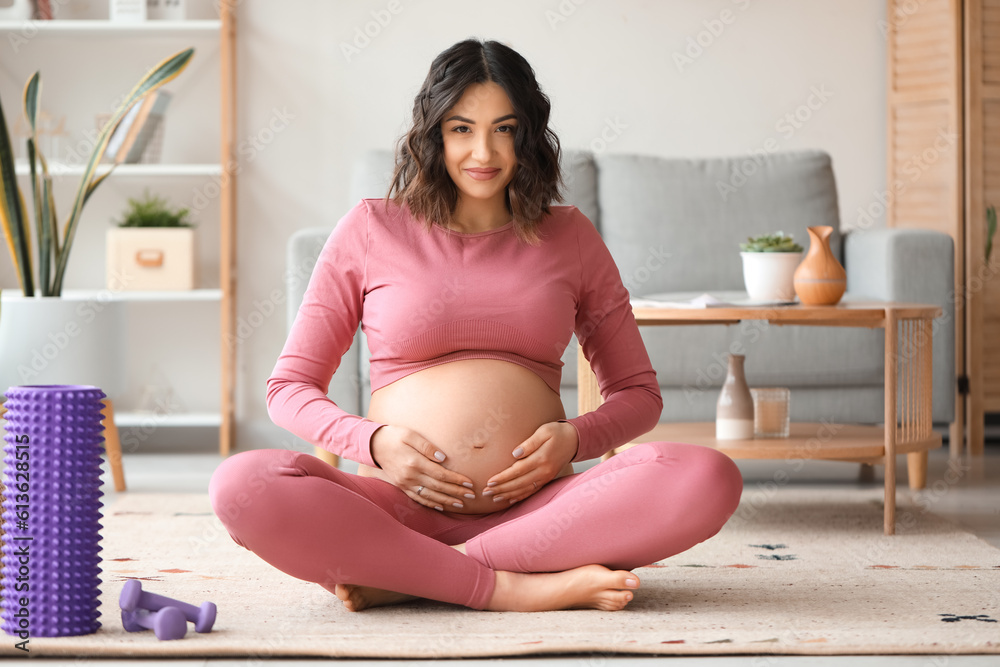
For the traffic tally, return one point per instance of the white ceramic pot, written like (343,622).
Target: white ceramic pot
(17,10)
(768,276)
(61,340)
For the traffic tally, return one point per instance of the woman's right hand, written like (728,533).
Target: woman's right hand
(410,461)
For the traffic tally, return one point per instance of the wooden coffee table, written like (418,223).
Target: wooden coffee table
(908,374)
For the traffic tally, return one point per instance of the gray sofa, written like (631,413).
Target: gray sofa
(674,225)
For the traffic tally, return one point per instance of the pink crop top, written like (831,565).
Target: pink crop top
(429,297)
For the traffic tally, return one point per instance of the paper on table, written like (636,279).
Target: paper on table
(651,301)
(705,300)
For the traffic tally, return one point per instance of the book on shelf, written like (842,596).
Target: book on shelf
(136,128)
(703,300)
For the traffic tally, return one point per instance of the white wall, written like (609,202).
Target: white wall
(761,64)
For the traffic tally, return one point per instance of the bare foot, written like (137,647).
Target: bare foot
(585,587)
(356,598)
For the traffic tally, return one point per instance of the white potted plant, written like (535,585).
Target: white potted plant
(769,263)
(47,337)
(152,248)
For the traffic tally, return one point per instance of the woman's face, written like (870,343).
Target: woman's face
(478,135)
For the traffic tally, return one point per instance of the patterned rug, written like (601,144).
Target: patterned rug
(793,572)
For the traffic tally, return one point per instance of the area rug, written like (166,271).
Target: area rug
(795,571)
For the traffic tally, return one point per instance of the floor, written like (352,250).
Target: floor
(966,491)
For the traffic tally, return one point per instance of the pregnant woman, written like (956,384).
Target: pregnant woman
(469,284)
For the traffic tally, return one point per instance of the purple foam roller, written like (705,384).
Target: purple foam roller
(51,511)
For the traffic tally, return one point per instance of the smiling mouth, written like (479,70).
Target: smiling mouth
(482,174)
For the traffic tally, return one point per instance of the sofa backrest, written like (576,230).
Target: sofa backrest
(697,211)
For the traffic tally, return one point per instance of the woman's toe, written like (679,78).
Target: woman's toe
(627,579)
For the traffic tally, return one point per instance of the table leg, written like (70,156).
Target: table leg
(588,394)
(326,456)
(916,467)
(890,421)
(113,445)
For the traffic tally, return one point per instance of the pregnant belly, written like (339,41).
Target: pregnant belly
(476,411)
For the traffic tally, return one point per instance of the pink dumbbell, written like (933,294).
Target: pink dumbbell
(167,623)
(133,598)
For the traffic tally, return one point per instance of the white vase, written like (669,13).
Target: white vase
(18,10)
(61,340)
(769,276)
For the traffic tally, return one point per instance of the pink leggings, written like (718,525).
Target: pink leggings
(320,524)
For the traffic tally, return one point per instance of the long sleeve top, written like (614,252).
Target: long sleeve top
(427,297)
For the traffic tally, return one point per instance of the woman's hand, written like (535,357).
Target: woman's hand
(413,464)
(540,458)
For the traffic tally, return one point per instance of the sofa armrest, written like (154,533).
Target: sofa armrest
(301,255)
(302,252)
(915,266)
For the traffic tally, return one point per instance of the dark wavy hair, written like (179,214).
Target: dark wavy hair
(420,179)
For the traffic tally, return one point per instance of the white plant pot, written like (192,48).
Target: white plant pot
(150,258)
(768,276)
(16,10)
(61,340)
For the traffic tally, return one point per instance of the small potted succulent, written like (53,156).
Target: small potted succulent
(769,263)
(152,248)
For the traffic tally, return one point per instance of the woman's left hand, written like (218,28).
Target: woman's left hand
(539,459)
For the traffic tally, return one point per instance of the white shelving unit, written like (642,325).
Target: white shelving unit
(139,419)
(224,296)
(126,170)
(101,28)
(137,295)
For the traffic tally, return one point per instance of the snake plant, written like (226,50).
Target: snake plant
(53,255)
(776,242)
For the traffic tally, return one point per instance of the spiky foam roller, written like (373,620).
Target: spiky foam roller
(51,510)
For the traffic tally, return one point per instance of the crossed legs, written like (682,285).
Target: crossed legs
(320,524)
